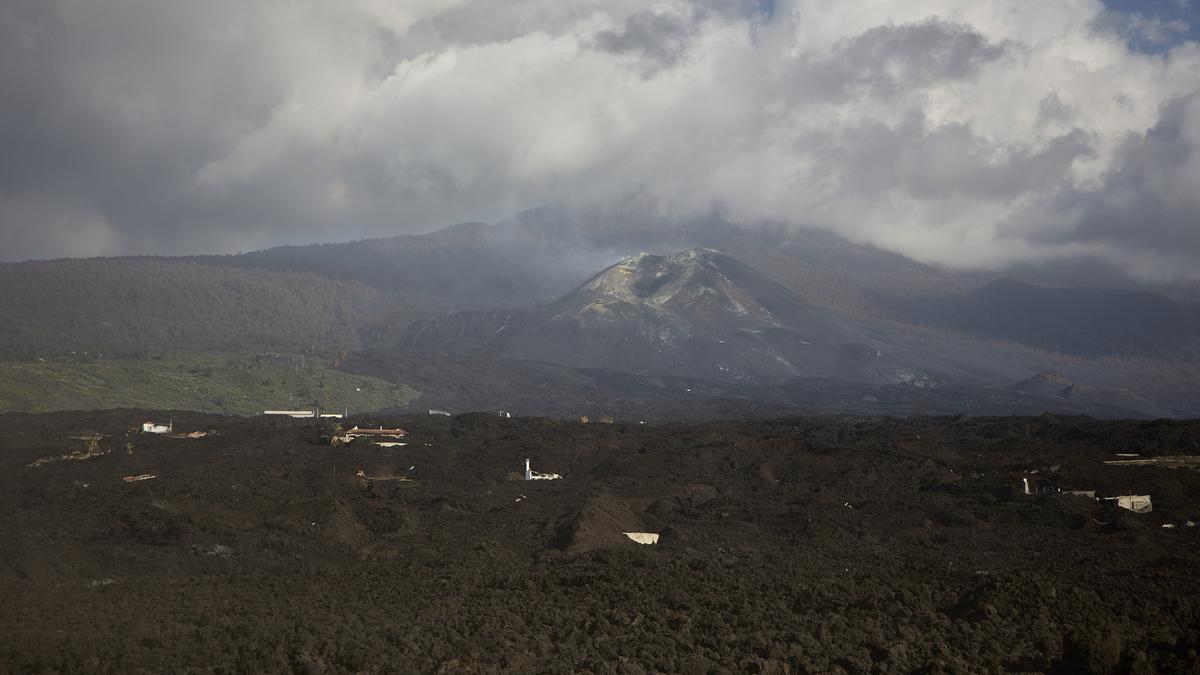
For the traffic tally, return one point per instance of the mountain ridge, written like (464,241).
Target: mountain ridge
(683,305)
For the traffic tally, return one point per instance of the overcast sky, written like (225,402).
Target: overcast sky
(969,134)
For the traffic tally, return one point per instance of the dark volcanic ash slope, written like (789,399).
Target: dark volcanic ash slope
(704,315)
(699,313)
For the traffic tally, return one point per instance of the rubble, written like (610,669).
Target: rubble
(92,451)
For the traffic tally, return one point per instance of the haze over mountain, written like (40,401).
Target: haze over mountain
(542,287)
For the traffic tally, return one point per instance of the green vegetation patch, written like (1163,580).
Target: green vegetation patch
(221,383)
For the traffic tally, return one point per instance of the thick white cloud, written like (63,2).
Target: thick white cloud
(967,134)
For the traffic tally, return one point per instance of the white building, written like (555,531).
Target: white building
(156,428)
(533,475)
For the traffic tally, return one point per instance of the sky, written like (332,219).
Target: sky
(965,134)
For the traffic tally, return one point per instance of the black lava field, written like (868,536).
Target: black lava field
(794,545)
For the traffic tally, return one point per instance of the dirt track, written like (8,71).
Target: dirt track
(794,545)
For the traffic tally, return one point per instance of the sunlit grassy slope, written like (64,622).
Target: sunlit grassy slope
(233,384)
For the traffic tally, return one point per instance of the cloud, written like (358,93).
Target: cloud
(38,227)
(1147,213)
(964,134)
(658,39)
(882,61)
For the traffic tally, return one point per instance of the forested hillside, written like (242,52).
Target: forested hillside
(132,307)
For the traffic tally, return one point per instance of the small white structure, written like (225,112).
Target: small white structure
(1037,486)
(1135,503)
(439,412)
(533,475)
(645,538)
(156,428)
(298,414)
(336,416)
(504,413)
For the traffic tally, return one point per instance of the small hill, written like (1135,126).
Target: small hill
(1045,383)
(1052,384)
